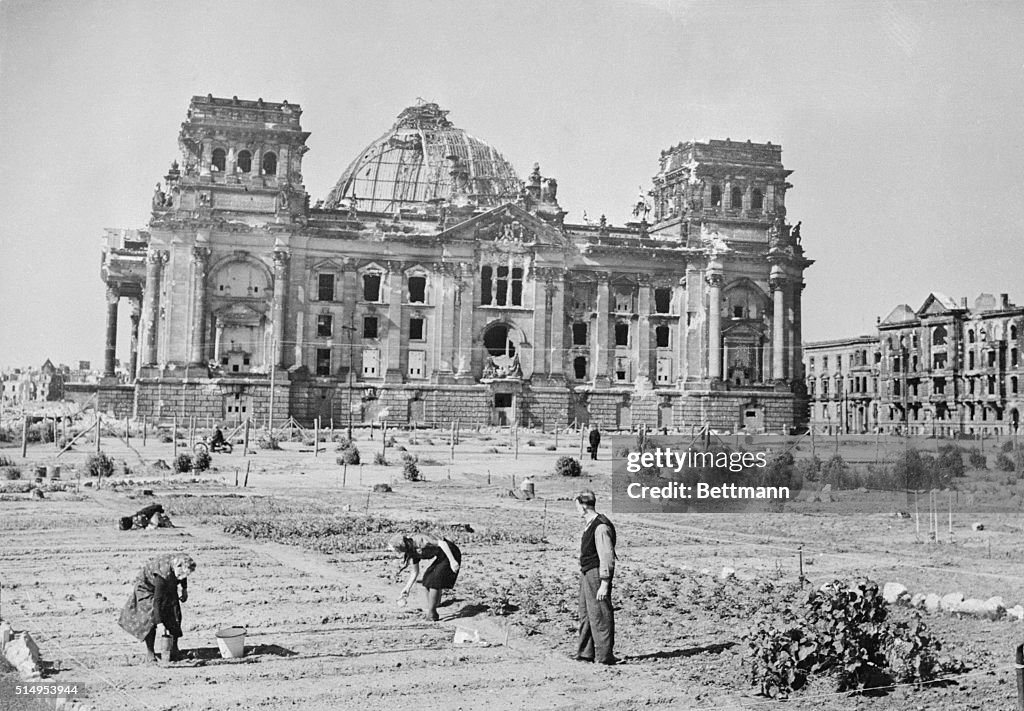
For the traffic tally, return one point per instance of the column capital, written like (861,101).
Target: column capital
(136,308)
(113,294)
(778,282)
(281,257)
(200,254)
(157,257)
(715,280)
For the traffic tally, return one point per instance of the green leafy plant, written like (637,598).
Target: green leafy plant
(349,453)
(410,471)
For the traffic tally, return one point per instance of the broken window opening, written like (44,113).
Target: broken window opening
(417,289)
(486,288)
(324,326)
(219,162)
(579,334)
(269,163)
(497,341)
(736,202)
(757,199)
(579,367)
(416,329)
(622,369)
(323,361)
(716,196)
(622,334)
(939,336)
(662,300)
(369,327)
(417,364)
(371,362)
(501,295)
(325,287)
(517,286)
(661,336)
(624,300)
(244,161)
(939,360)
(371,287)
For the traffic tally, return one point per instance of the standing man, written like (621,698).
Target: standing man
(595,441)
(597,566)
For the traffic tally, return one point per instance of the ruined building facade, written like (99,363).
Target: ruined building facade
(433,284)
(946,369)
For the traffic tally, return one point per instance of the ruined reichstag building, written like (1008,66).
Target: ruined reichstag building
(434,283)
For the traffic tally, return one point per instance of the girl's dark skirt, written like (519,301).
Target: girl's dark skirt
(440,575)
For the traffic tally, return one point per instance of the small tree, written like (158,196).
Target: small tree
(183,463)
(410,471)
(348,452)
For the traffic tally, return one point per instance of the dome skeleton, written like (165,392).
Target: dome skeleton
(411,165)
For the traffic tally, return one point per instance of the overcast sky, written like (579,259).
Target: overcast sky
(902,122)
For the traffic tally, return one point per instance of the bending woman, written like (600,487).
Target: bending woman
(441,574)
(155,601)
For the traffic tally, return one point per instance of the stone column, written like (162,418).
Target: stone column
(280,295)
(392,362)
(109,354)
(602,340)
(642,348)
(715,281)
(134,359)
(151,305)
(797,362)
(446,293)
(540,281)
(464,321)
(556,335)
(200,255)
(778,284)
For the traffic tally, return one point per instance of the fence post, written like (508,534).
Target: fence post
(1019,663)
(24,437)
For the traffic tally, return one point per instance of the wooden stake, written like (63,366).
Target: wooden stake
(544,521)
(144,431)
(127,431)
(245,442)
(451,439)
(98,419)
(174,434)
(236,476)
(248,465)
(800,553)
(316,437)
(344,474)
(24,437)
(367,512)
(1018,659)
(581,444)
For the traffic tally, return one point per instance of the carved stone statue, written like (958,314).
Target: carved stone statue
(490,368)
(514,369)
(158,198)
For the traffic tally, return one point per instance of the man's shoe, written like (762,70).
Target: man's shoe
(612,661)
(584,659)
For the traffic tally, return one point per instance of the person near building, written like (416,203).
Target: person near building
(440,575)
(595,441)
(597,568)
(155,601)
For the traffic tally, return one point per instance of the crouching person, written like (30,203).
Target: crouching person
(155,601)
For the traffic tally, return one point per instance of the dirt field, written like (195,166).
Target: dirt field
(324,631)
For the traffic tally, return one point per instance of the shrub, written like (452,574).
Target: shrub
(1005,463)
(410,471)
(166,439)
(11,472)
(201,462)
(838,473)
(1007,446)
(950,462)
(550,448)
(568,466)
(183,463)
(491,450)
(349,456)
(99,464)
(809,469)
(976,459)
(269,442)
(391,442)
(5,462)
(530,443)
(379,459)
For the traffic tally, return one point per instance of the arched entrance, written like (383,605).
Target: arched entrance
(502,342)
(497,340)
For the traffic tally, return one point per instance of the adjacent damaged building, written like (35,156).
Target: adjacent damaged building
(947,368)
(435,283)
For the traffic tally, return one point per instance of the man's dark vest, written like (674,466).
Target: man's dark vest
(588,547)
